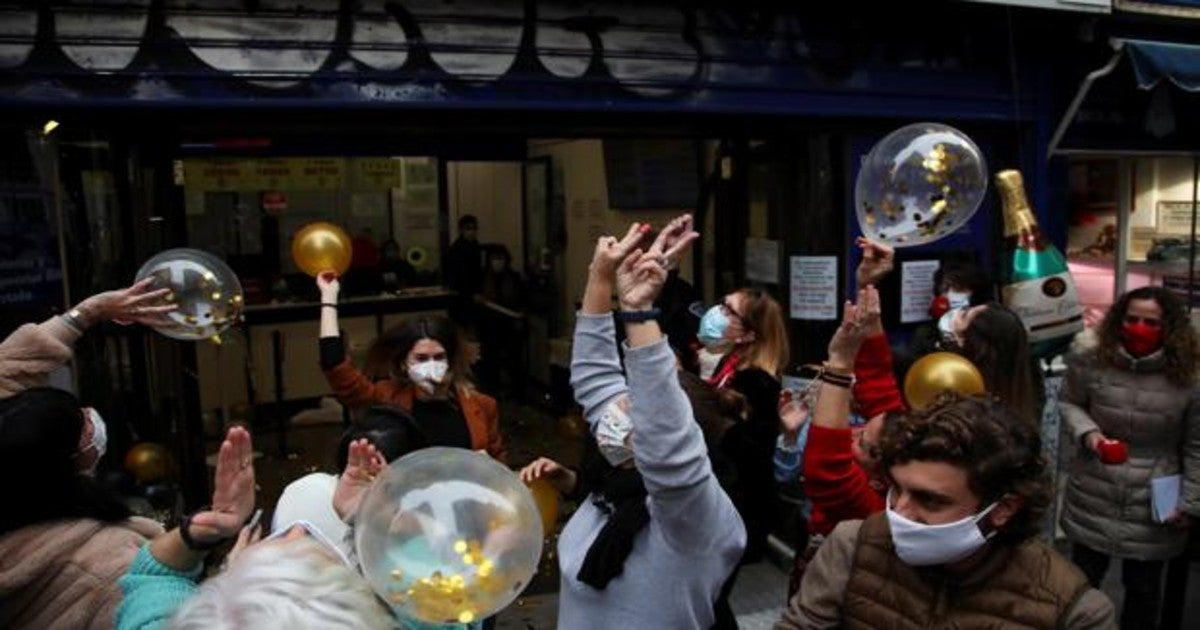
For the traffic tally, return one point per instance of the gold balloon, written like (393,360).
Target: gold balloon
(148,462)
(546,498)
(320,247)
(939,372)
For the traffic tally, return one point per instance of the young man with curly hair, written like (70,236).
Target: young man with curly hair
(955,545)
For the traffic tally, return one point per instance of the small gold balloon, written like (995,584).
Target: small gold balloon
(320,247)
(939,372)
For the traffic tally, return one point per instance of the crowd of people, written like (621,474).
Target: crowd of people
(914,517)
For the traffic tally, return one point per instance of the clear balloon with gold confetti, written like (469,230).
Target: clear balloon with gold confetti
(206,292)
(448,535)
(918,184)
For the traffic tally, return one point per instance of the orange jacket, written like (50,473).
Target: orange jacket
(353,388)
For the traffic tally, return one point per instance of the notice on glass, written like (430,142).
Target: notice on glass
(814,285)
(762,260)
(916,289)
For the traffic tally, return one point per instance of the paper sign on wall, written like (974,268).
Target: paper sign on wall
(916,289)
(762,260)
(813,294)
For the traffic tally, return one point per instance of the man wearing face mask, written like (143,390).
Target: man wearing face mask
(956,543)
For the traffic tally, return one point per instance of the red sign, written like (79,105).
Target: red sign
(274,203)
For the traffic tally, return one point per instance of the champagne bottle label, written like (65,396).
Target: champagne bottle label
(1049,306)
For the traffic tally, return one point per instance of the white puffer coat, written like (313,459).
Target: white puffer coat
(1107,506)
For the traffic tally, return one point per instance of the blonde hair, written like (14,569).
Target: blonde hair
(763,316)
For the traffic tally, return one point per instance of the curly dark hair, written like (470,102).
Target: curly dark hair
(1001,454)
(1179,340)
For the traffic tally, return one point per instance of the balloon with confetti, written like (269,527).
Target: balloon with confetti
(448,535)
(205,291)
(918,184)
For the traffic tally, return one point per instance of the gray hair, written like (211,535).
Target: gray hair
(287,585)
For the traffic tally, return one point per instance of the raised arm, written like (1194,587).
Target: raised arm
(163,574)
(348,383)
(32,351)
(833,479)
(596,375)
(668,446)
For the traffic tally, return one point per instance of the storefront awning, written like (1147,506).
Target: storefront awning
(1108,115)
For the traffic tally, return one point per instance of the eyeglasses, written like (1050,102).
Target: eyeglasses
(730,312)
(1152,322)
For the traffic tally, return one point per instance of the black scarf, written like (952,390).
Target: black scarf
(621,493)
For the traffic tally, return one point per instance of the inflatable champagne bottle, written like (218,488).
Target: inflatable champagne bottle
(1039,286)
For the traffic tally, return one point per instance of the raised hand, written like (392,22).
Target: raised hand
(363,463)
(878,260)
(140,303)
(858,321)
(328,285)
(674,240)
(640,279)
(610,250)
(793,410)
(559,476)
(233,495)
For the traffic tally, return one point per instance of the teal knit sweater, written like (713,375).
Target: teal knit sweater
(153,592)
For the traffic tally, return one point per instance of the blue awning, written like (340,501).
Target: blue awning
(1114,115)
(1155,61)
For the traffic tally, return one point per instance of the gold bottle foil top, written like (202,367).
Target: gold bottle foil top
(1018,215)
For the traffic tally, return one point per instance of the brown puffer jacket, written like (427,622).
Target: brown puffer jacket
(1107,506)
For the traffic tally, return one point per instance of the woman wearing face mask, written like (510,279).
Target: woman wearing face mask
(64,540)
(1133,381)
(425,372)
(655,540)
(748,328)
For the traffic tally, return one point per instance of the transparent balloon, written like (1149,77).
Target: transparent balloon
(205,291)
(448,535)
(918,184)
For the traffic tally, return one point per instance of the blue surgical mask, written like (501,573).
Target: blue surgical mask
(713,326)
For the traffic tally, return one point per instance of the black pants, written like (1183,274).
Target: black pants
(1142,580)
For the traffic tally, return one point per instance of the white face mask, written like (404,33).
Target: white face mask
(945,325)
(958,299)
(428,374)
(99,441)
(612,435)
(921,545)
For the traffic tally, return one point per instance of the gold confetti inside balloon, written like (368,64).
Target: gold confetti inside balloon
(320,247)
(205,291)
(939,372)
(918,184)
(448,535)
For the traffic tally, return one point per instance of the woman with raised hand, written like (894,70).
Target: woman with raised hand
(654,542)
(33,351)
(426,372)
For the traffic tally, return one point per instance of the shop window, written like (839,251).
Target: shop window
(247,211)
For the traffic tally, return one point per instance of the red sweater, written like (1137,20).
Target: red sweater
(875,388)
(839,488)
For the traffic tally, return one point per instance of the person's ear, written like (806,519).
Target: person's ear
(1005,510)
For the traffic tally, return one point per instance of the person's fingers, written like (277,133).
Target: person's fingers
(630,261)
(157,310)
(681,244)
(631,238)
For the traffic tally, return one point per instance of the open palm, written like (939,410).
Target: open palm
(363,463)
(233,495)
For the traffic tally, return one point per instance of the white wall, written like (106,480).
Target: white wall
(492,192)
(588,215)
